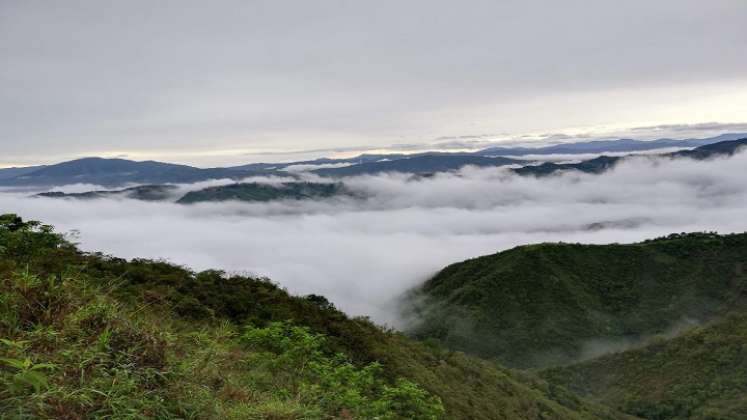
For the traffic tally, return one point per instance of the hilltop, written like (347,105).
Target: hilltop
(550,304)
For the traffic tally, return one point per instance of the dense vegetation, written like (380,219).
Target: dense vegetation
(701,375)
(88,335)
(119,172)
(551,304)
(420,164)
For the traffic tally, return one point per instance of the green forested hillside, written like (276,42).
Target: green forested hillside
(701,374)
(256,192)
(91,336)
(550,304)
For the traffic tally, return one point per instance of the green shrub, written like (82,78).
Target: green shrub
(301,365)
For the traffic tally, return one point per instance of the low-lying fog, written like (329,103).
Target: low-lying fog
(363,254)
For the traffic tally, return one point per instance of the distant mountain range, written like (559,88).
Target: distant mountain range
(418,165)
(609,146)
(603,163)
(303,190)
(119,172)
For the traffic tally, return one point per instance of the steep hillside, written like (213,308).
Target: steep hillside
(549,304)
(87,335)
(701,374)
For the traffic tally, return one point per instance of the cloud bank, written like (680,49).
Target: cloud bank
(363,254)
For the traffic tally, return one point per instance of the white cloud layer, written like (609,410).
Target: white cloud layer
(363,254)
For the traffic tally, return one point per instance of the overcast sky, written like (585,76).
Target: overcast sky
(222,82)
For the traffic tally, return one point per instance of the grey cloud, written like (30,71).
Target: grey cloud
(87,77)
(471,137)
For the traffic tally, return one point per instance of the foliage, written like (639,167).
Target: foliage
(91,336)
(550,304)
(24,372)
(701,374)
(330,380)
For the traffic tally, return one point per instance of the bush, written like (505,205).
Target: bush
(301,365)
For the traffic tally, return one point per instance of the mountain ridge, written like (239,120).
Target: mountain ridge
(116,172)
(545,304)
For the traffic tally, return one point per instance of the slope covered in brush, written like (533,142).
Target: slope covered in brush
(87,335)
(550,304)
(701,374)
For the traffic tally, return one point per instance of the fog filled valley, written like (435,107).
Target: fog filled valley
(424,287)
(364,253)
(341,210)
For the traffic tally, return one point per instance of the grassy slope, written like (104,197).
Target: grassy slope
(701,374)
(549,304)
(89,335)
